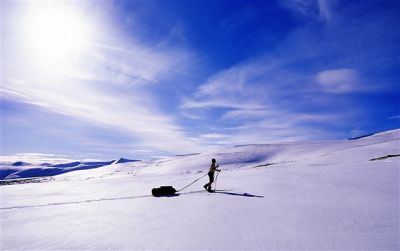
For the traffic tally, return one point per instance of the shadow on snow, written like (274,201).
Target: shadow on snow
(226,192)
(240,194)
(126,198)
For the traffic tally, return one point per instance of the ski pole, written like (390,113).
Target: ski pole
(215,182)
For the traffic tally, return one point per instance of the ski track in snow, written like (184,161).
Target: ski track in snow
(317,195)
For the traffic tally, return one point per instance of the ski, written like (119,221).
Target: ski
(219,190)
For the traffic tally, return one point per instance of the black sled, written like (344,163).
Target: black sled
(163,191)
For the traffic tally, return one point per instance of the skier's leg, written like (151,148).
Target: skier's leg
(211,175)
(208,185)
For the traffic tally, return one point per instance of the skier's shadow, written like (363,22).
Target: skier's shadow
(228,193)
(240,194)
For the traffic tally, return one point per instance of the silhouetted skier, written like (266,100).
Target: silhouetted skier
(213,168)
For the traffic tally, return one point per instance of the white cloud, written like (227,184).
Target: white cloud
(106,84)
(245,114)
(137,64)
(35,158)
(219,103)
(137,115)
(339,80)
(289,92)
(240,87)
(213,136)
(260,101)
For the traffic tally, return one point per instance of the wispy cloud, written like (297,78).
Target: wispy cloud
(234,88)
(136,114)
(34,158)
(322,9)
(326,8)
(107,84)
(394,117)
(263,102)
(137,64)
(213,136)
(339,80)
(288,94)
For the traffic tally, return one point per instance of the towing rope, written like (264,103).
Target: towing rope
(193,182)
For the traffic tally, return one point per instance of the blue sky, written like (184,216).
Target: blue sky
(143,79)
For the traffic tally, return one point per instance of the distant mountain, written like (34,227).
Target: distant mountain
(20,163)
(123,160)
(14,171)
(5,171)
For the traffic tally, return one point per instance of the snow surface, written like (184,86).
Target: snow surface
(304,195)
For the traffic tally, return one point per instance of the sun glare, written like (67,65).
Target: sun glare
(56,33)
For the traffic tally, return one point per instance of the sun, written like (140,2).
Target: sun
(56,33)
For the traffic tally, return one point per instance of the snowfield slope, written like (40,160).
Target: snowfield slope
(339,195)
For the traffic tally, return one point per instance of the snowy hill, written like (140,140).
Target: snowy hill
(20,169)
(307,195)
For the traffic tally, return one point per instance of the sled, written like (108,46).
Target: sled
(163,191)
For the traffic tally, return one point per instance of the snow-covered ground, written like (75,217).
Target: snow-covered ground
(304,195)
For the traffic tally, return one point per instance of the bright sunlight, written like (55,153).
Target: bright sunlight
(56,33)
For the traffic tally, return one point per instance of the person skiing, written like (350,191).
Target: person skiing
(213,168)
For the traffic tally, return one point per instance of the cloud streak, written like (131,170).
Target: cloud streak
(339,80)
(107,85)
(288,94)
(322,9)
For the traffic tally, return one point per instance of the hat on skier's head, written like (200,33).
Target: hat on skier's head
(213,161)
